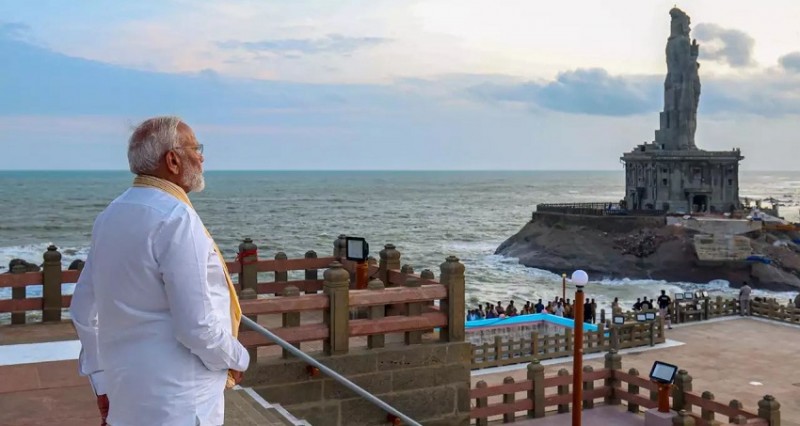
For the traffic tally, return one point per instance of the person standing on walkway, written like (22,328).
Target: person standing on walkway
(155,309)
(744,300)
(664,302)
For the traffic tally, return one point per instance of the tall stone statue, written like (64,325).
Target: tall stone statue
(681,87)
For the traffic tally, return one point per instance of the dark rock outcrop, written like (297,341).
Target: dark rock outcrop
(29,267)
(638,248)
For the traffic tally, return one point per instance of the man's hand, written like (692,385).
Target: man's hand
(102,405)
(237,376)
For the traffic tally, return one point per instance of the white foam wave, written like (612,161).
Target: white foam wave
(34,253)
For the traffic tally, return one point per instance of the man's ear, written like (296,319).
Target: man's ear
(173,162)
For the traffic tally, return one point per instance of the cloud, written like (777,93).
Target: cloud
(13,30)
(293,48)
(596,92)
(730,46)
(790,62)
(584,91)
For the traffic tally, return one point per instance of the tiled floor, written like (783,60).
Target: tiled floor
(741,359)
(600,416)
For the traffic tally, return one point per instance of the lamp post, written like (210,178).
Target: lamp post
(580,278)
(564,286)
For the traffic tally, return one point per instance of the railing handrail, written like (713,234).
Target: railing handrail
(329,372)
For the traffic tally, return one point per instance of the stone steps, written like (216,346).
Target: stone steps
(244,407)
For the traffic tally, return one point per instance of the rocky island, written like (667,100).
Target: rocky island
(681,218)
(646,248)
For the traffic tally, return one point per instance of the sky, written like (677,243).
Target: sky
(389,85)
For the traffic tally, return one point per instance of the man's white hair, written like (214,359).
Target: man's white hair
(150,141)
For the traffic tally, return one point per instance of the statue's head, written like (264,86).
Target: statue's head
(680,22)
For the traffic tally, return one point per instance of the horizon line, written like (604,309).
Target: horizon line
(370,170)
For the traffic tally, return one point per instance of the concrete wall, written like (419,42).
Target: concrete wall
(717,226)
(428,382)
(722,247)
(615,224)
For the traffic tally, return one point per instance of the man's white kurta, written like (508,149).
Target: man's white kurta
(152,310)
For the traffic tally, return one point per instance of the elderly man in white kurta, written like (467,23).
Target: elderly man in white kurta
(154,306)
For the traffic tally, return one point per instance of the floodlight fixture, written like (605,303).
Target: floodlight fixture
(705,294)
(357,249)
(663,372)
(688,295)
(619,319)
(678,296)
(641,317)
(650,316)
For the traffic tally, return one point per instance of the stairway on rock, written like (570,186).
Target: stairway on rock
(243,407)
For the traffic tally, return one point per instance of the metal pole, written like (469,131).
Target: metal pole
(362,274)
(577,361)
(564,287)
(663,397)
(334,375)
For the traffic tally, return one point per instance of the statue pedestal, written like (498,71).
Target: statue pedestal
(653,417)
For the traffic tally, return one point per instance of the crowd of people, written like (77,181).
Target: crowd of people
(565,308)
(559,307)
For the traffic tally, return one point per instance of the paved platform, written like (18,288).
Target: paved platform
(739,358)
(600,416)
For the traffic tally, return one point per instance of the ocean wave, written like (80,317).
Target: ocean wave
(34,253)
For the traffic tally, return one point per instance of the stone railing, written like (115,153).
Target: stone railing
(532,397)
(683,311)
(541,347)
(595,209)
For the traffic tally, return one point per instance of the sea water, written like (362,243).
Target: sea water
(428,215)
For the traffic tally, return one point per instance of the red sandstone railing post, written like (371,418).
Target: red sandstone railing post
(601,336)
(389,259)
(683,419)
(536,394)
(452,277)
(375,341)
(588,385)
(290,319)
(683,383)
(51,285)
(498,350)
(407,269)
(613,363)
(706,414)
(413,309)
(739,420)
(770,410)
(18,293)
(427,275)
(481,402)
(563,390)
(311,274)
(651,330)
(535,344)
(509,398)
(654,395)
(633,390)
(337,315)
(280,276)
(614,343)
(735,404)
(340,248)
(248,282)
(248,275)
